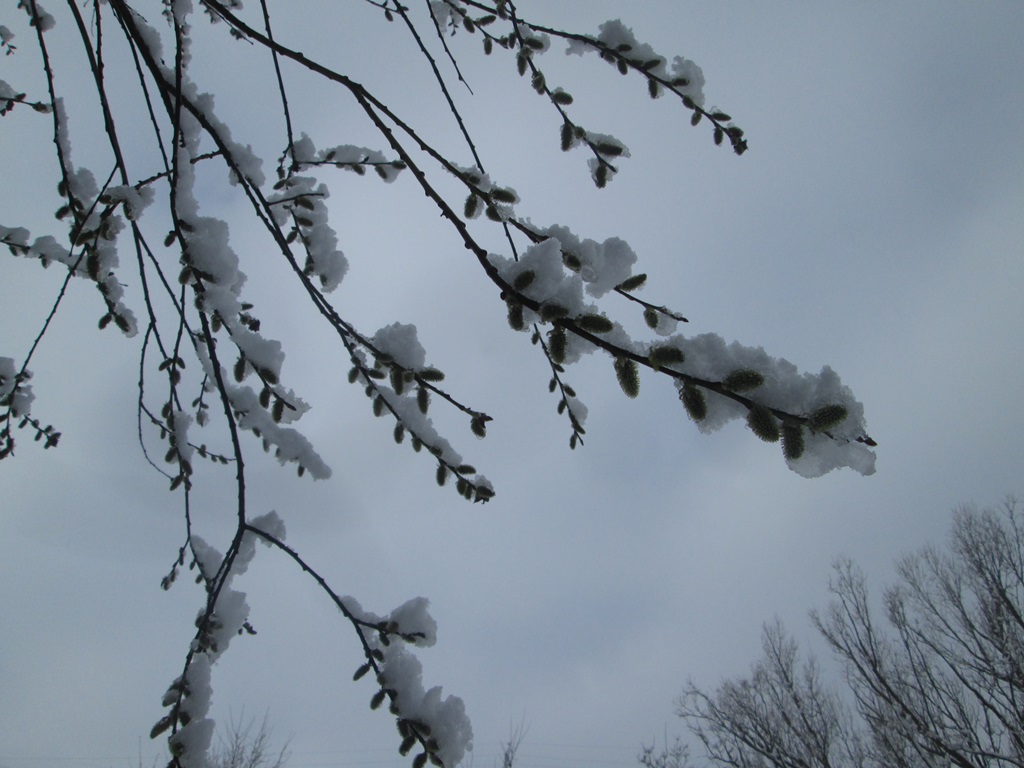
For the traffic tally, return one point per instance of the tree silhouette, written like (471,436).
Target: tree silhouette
(138,227)
(943,686)
(244,745)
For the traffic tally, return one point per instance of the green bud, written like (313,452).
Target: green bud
(763,423)
(694,402)
(665,355)
(743,379)
(515,316)
(595,323)
(524,280)
(430,374)
(557,344)
(378,699)
(827,417)
(552,311)
(792,442)
(628,374)
(611,150)
(567,136)
(504,195)
(632,283)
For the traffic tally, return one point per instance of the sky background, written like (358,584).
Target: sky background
(874,226)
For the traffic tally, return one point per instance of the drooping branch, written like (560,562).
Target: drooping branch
(542,284)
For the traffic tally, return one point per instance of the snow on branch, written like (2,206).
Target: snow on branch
(217,372)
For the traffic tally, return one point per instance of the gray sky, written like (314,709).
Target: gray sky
(874,226)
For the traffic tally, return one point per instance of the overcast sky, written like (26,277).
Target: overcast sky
(874,226)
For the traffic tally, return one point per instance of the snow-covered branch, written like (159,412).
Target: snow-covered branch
(207,365)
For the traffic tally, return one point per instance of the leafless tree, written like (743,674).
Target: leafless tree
(246,745)
(941,685)
(674,755)
(781,715)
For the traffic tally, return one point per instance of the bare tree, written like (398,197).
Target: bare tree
(948,685)
(247,746)
(782,715)
(138,227)
(511,747)
(940,686)
(674,755)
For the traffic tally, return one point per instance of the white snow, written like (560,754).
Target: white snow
(135,201)
(605,265)
(6,92)
(402,673)
(302,198)
(707,356)
(41,18)
(614,34)
(400,343)
(290,445)
(21,402)
(412,617)
(181,421)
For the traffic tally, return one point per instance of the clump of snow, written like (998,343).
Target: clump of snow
(501,198)
(39,18)
(230,614)
(552,282)
(270,523)
(20,394)
(206,241)
(685,68)
(416,421)
(193,740)
(402,673)
(413,618)
(444,12)
(579,410)
(608,147)
(240,156)
(181,421)
(290,445)
(666,325)
(605,265)
(822,455)
(81,186)
(345,155)
(7,95)
(555,284)
(540,42)
(542,272)
(399,342)
(14,236)
(709,357)
(134,200)
(446,717)
(208,558)
(614,35)
(300,198)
